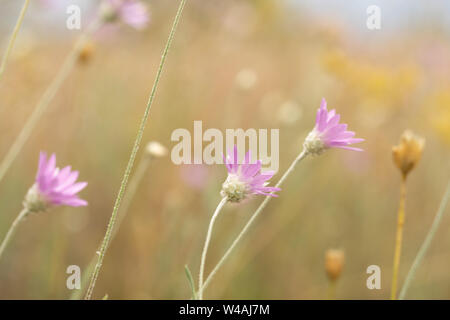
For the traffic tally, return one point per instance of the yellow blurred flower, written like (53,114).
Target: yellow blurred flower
(439,105)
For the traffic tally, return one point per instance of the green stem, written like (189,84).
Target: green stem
(426,244)
(128,199)
(299,158)
(205,247)
(12,230)
(12,40)
(130,164)
(45,100)
(331,294)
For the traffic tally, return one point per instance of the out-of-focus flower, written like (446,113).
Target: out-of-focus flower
(289,112)
(245,179)
(408,152)
(53,187)
(329,133)
(438,103)
(156,149)
(195,175)
(385,85)
(131,12)
(334,263)
(246,79)
(86,51)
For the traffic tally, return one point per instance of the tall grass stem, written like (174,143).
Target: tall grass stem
(191,281)
(426,244)
(137,142)
(127,200)
(13,38)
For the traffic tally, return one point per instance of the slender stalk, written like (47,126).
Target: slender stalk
(205,247)
(45,100)
(331,294)
(426,244)
(127,200)
(191,281)
(134,151)
(12,40)
(398,240)
(299,158)
(12,230)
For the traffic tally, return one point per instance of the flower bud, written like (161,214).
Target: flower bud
(408,152)
(334,263)
(156,149)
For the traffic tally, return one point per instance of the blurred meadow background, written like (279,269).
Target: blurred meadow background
(233,64)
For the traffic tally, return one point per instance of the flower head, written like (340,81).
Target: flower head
(245,179)
(329,133)
(131,12)
(53,187)
(408,152)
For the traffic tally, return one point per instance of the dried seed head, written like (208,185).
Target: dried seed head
(334,263)
(408,152)
(156,149)
(85,52)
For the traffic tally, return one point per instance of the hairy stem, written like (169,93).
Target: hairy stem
(299,158)
(45,100)
(398,240)
(12,40)
(127,200)
(12,230)
(130,164)
(426,244)
(205,247)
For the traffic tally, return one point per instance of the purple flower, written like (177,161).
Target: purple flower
(131,12)
(329,133)
(245,179)
(54,187)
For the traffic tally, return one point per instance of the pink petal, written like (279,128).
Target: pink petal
(75,188)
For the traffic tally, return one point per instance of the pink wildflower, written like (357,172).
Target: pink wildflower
(245,179)
(54,187)
(329,133)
